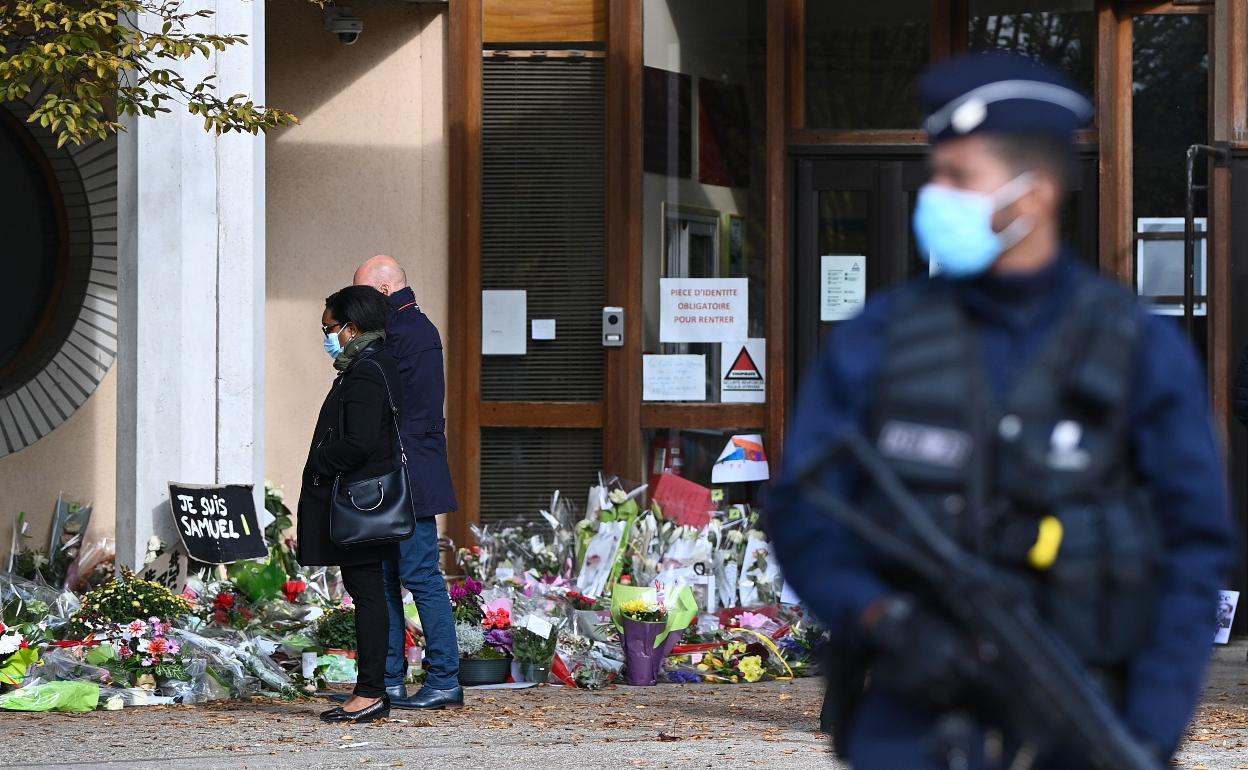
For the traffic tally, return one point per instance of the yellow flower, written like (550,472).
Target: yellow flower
(703,667)
(751,667)
(636,606)
(134,603)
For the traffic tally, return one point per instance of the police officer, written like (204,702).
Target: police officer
(1014,388)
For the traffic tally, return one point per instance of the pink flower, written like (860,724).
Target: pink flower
(147,661)
(174,647)
(136,627)
(158,646)
(752,620)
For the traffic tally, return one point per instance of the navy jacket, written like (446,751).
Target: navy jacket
(417,348)
(1174,452)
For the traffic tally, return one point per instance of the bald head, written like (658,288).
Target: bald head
(383,273)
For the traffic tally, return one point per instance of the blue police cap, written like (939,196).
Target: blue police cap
(1001,93)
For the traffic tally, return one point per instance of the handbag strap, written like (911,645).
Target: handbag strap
(394,412)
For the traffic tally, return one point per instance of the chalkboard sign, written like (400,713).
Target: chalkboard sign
(217,524)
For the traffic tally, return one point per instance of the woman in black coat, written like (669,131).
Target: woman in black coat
(354,440)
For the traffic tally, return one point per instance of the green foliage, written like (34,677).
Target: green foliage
(259,580)
(123,599)
(99,64)
(336,629)
(528,647)
(283,521)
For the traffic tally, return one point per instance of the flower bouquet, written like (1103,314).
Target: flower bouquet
(651,621)
(741,655)
(17,655)
(121,600)
(230,610)
(140,653)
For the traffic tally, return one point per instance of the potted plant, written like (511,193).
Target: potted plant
(533,651)
(484,638)
(335,631)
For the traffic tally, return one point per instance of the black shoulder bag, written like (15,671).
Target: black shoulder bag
(376,511)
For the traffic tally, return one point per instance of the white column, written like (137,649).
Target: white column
(191,297)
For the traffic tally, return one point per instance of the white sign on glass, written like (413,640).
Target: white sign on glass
(703,309)
(842,286)
(743,372)
(543,328)
(504,318)
(673,378)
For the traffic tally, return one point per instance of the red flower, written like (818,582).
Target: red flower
(224,601)
(246,613)
(293,588)
(626,580)
(497,619)
(2,629)
(23,645)
(221,616)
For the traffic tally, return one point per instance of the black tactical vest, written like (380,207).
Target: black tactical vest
(988,472)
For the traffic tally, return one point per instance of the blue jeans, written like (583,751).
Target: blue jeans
(418,571)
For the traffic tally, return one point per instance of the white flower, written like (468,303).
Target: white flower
(617,496)
(736,537)
(39,560)
(10,642)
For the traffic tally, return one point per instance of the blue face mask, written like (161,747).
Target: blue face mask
(954,227)
(332,345)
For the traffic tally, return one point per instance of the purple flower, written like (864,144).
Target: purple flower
(472,586)
(458,593)
(683,677)
(499,639)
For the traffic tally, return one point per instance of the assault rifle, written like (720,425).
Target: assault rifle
(1023,665)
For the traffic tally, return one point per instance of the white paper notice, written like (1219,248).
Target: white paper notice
(743,372)
(504,316)
(842,287)
(1227,601)
(704,309)
(543,328)
(673,378)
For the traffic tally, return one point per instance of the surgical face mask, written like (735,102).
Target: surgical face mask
(954,227)
(333,346)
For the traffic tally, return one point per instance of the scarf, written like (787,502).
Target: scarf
(355,347)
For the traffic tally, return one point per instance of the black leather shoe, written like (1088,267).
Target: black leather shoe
(379,710)
(429,698)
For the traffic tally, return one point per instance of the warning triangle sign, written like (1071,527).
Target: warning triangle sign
(743,368)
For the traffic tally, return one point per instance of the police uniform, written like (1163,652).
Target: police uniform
(1002,400)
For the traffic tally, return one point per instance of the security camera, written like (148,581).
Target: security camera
(346,28)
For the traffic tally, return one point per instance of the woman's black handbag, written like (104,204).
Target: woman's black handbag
(376,511)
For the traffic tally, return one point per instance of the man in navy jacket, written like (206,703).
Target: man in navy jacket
(417,347)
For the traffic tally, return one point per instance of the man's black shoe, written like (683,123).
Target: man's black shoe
(429,698)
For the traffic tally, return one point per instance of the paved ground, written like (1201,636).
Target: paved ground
(694,726)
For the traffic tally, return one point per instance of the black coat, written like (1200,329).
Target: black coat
(417,349)
(363,448)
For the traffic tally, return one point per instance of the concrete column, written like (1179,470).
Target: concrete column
(191,297)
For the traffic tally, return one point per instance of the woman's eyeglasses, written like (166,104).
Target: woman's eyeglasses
(326,329)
